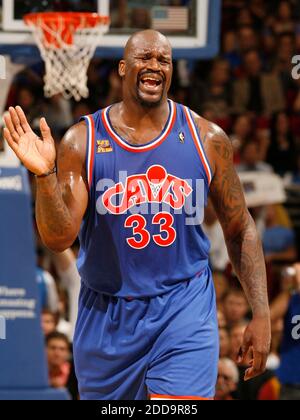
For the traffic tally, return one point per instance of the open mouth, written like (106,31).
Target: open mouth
(150,82)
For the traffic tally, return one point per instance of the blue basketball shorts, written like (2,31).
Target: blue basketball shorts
(161,347)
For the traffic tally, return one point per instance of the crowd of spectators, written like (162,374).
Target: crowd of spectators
(250,92)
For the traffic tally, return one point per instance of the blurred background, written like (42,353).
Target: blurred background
(252,92)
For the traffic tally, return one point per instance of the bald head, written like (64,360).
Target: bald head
(148,39)
(147,68)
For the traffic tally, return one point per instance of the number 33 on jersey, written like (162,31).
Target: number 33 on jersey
(156,186)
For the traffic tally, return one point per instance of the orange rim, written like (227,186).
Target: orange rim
(61,26)
(84,19)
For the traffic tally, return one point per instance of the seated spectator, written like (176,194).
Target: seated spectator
(298,35)
(257,92)
(235,307)
(273,361)
(236,43)
(297,102)
(1,144)
(242,132)
(228,378)
(58,352)
(250,159)
(247,39)
(79,110)
(287,306)
(64,326)
(230,49)
(49,322)
(281,154)
(269,46)
(224,342)
(294,178)
(284,22)
(65,265)
(216,94)
(259,11)
(118,13)
(140,18)
(278,240)
(47,290)
(262,136)
(222,323)
(218,252)
(58,113)
(244,18)
(221,286)
(264,387)
(115,88)
(30,105)
(296,107)
(98,74)
(236,335)
(286,49)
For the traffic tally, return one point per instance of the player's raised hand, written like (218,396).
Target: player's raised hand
(38,155)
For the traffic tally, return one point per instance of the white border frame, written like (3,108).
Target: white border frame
(18,32)
(11,24)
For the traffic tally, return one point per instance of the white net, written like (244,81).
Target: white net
(155,188)
(67,62)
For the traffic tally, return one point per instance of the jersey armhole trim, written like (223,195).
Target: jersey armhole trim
(90,155)
(198,144)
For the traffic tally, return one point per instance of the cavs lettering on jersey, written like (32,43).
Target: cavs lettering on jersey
(135,239)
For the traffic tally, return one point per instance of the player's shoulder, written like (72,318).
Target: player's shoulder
(74,143)
(216,143)
(76,130)
(209,128)
(214,138)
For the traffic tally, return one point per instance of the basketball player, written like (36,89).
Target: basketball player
(147,324)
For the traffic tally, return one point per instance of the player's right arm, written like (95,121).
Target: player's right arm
(62,198)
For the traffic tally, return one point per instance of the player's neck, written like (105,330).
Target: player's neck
(134,114)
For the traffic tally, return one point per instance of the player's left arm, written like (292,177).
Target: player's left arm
(243,243)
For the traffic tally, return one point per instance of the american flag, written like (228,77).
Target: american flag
(170,18)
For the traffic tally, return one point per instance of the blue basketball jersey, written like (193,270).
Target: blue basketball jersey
(289,370)
(142,233)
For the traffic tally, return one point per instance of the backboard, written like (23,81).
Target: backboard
(193,26)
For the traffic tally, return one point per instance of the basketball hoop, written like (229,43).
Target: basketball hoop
(67,42)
